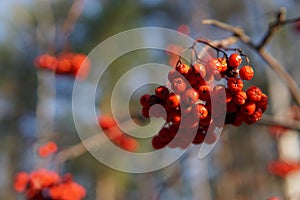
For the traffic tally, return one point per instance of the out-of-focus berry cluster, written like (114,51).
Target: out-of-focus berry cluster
(116,135)
(48,185)
(65,63)
(187,107)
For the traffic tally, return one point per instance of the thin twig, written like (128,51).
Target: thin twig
(87,144)
(270,120)
(270,60)
(72,17)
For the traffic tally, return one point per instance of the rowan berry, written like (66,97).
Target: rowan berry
(235,84)
(165,135)
(199,138)
(162,92)
(206,121)
(254,94)
(182,68)
(178,85)
(47,149)
(128,144)
(64,66)
(257,115)
(174,117)
(248,108)
(153,99)
(21,181)
(145,112)
(45,61)
(204,92)
(190,96)
(173,100)
(234,60)
(200,111)
(263,103)
(217,65)
(240,98)
(144,100)
(246,72)
(157,143)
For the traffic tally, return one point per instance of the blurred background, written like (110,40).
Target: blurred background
(36,105)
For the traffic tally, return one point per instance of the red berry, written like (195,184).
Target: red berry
(64,66)
(204,92)
(178,85)
(21,181)
(248,108)
(190,96)
(145,112)
(263,103)
(106,122)
(255,116)
(217,65)
(254,94)
(235,84)
(173,100)
(173,74)
(162,92)
(246,72)
(174,117)
(144,100)
(157,143)
(240,98)
(234,60)
(200,111)
(183,69)
(165,135)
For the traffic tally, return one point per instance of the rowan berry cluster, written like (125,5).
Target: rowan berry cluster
(65,63)
(116,135)
(48,185)
(189,102)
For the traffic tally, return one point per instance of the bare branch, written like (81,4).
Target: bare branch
(270,120)
(271,61)
(73,15)
(273,27)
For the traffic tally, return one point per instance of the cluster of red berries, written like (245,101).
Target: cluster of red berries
(47,149)
(283,168)
(116,135)
(189,104)
(65,63)
(48,185)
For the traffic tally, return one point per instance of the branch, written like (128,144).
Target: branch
(270,60)
(273,27)
(269,120)
(72,17)
(87,144)
(237,31)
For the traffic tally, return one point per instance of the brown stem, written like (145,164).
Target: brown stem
(270,120)
(72,17)
(271,61)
